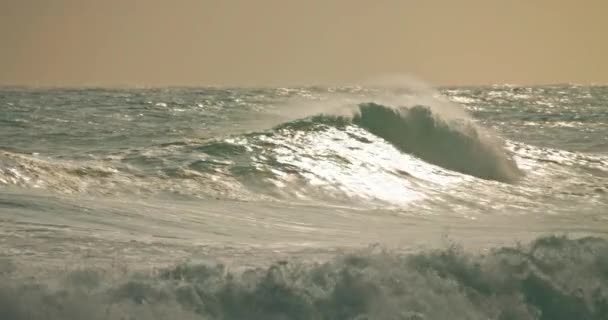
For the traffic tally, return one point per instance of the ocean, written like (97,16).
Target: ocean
(354,202)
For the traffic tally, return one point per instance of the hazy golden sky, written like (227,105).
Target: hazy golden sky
(282,42)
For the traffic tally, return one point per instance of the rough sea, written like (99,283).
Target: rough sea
(379,202)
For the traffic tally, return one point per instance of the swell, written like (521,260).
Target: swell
(553,278)
(116,175)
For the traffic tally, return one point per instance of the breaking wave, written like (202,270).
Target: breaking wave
(553,278)
(455,145)
(314,157)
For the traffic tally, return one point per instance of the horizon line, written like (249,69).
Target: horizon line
(276,86)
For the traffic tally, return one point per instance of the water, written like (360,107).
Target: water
(304,203)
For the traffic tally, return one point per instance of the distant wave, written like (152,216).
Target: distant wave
(553,278)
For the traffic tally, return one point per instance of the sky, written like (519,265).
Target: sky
(291,42)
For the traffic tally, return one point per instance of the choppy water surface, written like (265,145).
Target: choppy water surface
(147,179)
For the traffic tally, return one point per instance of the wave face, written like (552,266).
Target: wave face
(452,145)
(553,278)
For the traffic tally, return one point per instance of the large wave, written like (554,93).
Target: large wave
(375,147)
(553,278)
